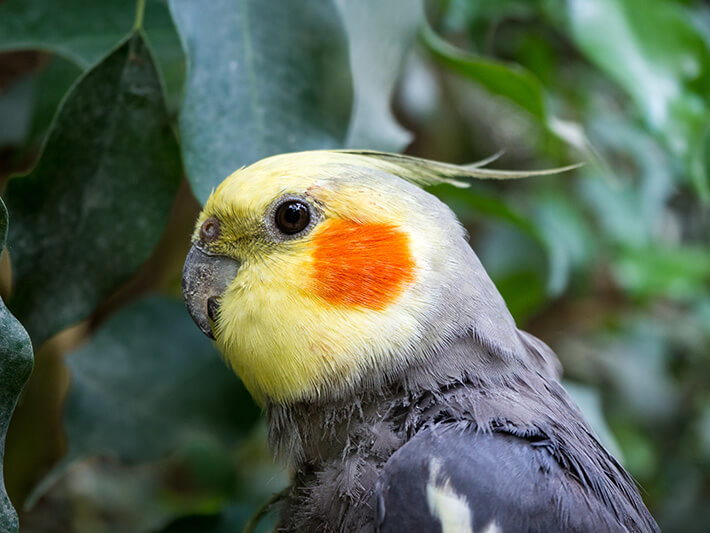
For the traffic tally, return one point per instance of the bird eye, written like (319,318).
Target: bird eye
(292,216)
(210,230)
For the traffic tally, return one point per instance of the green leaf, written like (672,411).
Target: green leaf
(513,83)
(16,363)
(679,273)
(167,47)
(84,32)
(569,241)
(632,210)
(146,383)
(263,78)
(510,81)
(78,30)
(380,33)
(96,204)
(655,52)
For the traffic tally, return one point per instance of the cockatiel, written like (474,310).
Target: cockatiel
(393,377)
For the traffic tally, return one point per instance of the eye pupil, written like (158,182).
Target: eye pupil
(292,216)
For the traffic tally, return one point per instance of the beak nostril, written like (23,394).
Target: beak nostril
(212,308)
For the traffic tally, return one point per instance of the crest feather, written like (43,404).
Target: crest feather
(425,172)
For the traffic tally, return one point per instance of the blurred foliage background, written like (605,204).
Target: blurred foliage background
(117,119)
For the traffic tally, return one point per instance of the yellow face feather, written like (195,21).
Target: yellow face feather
(284,335)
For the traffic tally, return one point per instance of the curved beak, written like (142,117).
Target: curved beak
(204,278)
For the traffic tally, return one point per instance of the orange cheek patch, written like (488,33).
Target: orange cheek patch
(366,265)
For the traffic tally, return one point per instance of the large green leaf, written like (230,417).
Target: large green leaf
(263,78)
(96,204)
(84,32)
(656,53)
(147,383)
(149,380)
(78,30)
(15,368)
(380,33)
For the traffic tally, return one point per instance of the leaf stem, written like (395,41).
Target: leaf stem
(140,11)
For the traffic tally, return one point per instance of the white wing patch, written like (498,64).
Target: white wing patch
(450,508)
(492,528)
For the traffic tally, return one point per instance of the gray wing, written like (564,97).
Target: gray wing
(453,479)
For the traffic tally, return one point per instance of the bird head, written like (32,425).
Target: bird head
(318,273)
